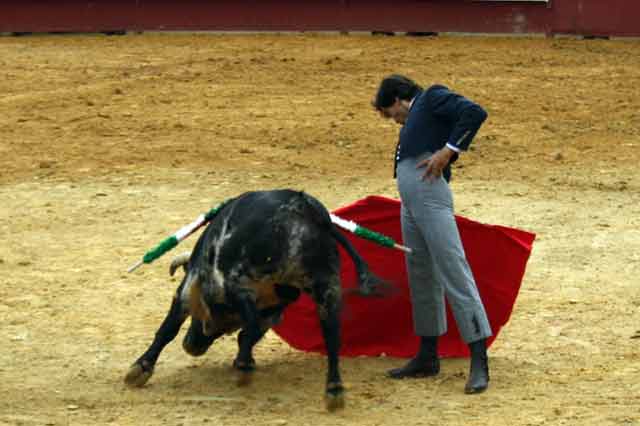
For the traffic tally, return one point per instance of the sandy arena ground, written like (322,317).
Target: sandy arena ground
(109,144)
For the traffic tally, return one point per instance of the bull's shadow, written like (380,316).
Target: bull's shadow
(287,377)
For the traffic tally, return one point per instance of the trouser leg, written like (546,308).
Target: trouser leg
(452,270)
(427,294)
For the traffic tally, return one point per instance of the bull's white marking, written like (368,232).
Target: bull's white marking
(298,230)
(218,276)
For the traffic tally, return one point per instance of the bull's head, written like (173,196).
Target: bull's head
(204,291)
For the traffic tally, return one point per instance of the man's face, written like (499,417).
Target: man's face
(399,111)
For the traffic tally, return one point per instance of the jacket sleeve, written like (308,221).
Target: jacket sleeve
(465,116)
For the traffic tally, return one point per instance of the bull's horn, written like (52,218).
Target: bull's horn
(178,261)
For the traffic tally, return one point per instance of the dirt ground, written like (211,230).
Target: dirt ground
(110,144)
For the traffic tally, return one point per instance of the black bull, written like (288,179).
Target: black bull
(254,258)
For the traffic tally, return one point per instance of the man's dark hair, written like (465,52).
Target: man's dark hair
(395,86)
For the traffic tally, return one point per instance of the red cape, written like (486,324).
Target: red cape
(374,326)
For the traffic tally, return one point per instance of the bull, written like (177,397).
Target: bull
(255,257)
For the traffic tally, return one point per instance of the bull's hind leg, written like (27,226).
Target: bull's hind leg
(142,369)
(326,294)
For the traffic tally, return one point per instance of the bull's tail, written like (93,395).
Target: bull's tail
(369,284)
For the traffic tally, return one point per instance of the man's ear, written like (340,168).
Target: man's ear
(405,103)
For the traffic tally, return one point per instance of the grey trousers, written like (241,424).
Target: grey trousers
(438,265)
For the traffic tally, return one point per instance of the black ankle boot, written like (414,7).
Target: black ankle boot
(479,370)
(424,364)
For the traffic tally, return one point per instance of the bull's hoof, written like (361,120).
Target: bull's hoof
(248,366)
(138,375)
(334,398)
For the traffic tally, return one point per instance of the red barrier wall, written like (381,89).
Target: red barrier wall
(580,17)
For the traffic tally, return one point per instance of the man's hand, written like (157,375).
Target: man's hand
(435,164)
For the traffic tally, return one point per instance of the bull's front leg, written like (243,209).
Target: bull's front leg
(142,370)
(248,336)
(247,364)
(326,294)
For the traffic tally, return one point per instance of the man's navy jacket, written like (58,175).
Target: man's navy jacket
(438,117)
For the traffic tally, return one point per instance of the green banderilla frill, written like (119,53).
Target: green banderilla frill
(377,238)
(160,249)
(172,241)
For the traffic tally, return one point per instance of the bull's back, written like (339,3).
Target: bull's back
(264,229)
